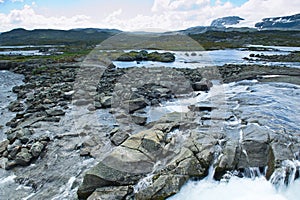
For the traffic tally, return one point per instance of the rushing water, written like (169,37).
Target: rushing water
(7,81)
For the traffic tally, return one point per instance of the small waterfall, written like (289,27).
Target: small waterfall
(146,181)
(286,175)
(253,172)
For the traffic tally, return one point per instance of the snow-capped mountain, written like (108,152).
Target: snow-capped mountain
(287,22)
(226,21)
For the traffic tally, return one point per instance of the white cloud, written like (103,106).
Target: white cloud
(17,1)
(1,1)
(163,15)
(29,19)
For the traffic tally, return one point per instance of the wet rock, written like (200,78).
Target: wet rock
(3,162)
(119,137)
(135,104)
(126,164)
(81,102)
(86,151)
(203,85)
(106,101)
(229,159)
(202,107)
(36,149)
(111,193)
(23,135)
(51,119)
(185,163)
(55,112)
(16,106)
(23,158)
(3,146)
(122,167)
(164,186)
(138,119)
(255,147)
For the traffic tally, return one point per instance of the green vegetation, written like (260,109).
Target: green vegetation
(234,39)
(70,53)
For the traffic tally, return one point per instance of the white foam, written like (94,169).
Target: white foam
(237,189)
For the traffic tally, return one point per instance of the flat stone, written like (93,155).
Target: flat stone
(110,193)
(3,146)
(55,112)
(119,137)
(138,119)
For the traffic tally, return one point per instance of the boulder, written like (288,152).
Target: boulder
(135,104)
(111,193)
(36,149)
(23,158)
(55,112)
(16,106)
(203,85)
(254,147)
(123,166)
(162,187)
(138,119)
(3,146)
(23,135)
(119,137)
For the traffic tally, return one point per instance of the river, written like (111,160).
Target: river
(274,104)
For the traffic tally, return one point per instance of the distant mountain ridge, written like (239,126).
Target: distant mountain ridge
(22,36)
(291,22)
(92,36)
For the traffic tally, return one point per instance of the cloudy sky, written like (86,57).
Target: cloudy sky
(131,15)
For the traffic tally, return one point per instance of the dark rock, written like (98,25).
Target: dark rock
(203,85)
(51,119)
(3,146)
(201,107)
(138,119)
(255,144)
(36,149)
(106,101)
(113,172)
(119,137)
(16,106)
(23,158)
(13,152)
(86,151)
(111,193)
(135,104)
(55,112)
(23,135)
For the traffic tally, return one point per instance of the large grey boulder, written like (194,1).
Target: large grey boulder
(254,147)
(125,165)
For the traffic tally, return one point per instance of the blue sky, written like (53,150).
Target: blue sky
(135,14)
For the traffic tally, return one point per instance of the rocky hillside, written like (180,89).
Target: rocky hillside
(287,22)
